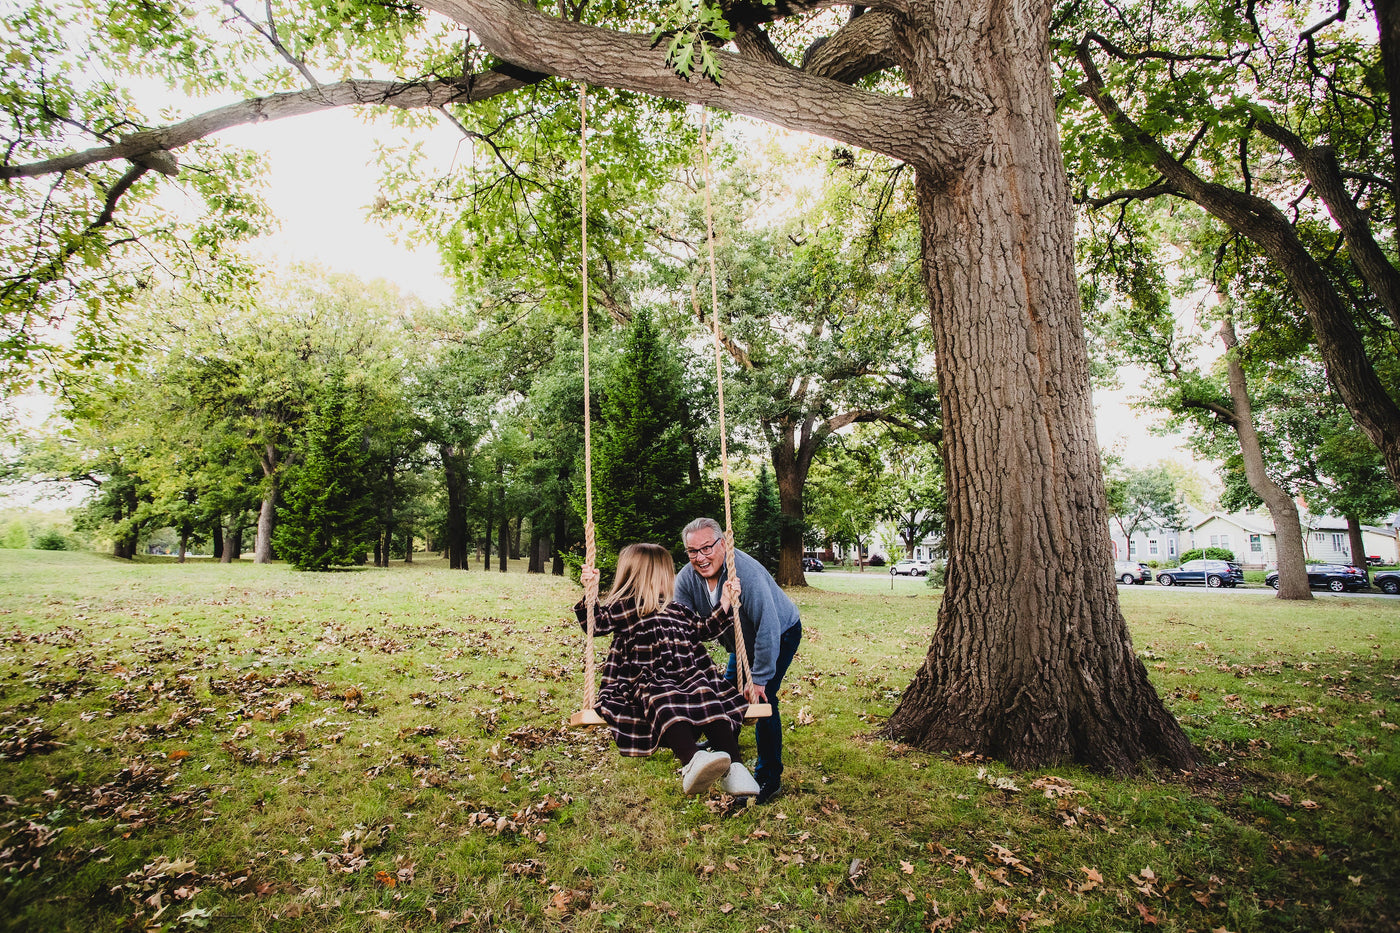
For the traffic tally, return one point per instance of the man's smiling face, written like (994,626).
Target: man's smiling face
(705,549)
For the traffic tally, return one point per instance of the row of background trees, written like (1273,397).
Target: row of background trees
(335,420)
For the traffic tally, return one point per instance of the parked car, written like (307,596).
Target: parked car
(1213,573)
(910,568)
(1374,560)
(1387,581)
(1339,578)
(812,565)
(1131,571)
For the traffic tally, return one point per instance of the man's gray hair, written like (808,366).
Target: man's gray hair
(699,523)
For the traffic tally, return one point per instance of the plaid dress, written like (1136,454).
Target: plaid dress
(658,673)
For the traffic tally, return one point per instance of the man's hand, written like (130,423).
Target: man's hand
(729,595)
(756,694)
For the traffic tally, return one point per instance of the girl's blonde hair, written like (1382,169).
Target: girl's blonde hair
(645,573)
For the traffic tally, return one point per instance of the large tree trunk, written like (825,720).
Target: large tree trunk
(1288,530)
(216,538)
(267,514)
(233,543)
(1031,661)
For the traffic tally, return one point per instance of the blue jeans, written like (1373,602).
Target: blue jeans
(768,733)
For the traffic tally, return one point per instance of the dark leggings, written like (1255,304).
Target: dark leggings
(680,738)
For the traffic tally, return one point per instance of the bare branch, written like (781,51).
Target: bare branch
(270,34)
(1130,194)
(1123,54)
(405,95)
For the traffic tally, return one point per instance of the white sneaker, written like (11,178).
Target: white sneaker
(739,783)
(702,771)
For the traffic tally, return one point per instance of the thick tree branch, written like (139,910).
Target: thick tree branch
(736,352)
(863,46)
(1319,163)
(753,42)
(936,139)
(756,11)
(1222,412)
(407,95)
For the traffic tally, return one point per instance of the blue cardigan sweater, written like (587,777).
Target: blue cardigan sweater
(765,612)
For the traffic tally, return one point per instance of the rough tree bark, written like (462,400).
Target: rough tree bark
(1031,661)
(1356,541)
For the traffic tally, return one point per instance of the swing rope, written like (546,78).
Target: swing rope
(741,654)
(587,714)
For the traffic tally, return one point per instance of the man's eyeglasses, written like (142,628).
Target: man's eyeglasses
(694,552)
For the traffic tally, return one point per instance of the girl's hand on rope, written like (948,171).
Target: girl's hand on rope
(756,694)
(730,595)
(589,578)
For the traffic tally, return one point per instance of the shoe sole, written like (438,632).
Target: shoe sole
(701,780)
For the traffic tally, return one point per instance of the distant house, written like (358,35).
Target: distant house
(1162,546)
(1326,540)
(1250,535)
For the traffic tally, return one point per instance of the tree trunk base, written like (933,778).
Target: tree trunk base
(1112,727)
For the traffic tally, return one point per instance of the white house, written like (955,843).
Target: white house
(1160,545)
(1250,535)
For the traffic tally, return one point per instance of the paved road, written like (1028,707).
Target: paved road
(1257,589)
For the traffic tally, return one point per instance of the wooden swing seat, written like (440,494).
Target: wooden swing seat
(758,711)
(587,718)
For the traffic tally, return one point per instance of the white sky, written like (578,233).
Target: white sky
(322,180)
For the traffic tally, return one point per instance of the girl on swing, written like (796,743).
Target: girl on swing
(659,683)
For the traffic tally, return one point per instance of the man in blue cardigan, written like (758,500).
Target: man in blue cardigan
(772,631)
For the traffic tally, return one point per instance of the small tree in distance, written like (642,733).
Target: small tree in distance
(642,490)
(763,522)
(327,520)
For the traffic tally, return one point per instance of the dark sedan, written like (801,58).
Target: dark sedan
(812,565)
(1339,578)
(1213,573)
(1387,581)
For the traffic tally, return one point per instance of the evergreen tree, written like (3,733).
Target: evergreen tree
(641,455)
(327,519)
(763,522)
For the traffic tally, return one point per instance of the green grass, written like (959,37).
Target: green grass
(239,747)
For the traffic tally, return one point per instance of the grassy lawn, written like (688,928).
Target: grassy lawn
(240,747)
